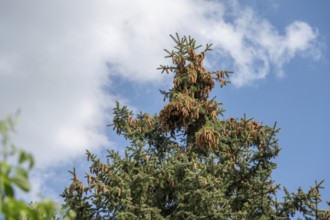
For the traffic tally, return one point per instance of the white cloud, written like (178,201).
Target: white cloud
(53,57)
(256,47)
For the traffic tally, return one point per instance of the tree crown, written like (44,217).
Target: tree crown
(185,162)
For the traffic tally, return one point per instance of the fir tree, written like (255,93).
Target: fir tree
(186,162)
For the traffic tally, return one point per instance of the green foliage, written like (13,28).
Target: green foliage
(15,176)
(185,162)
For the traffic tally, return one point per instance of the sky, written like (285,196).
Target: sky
(65,63)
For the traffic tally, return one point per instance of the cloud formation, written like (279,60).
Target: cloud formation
(255,48)
(56,58)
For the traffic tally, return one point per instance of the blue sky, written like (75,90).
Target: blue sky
(64,64)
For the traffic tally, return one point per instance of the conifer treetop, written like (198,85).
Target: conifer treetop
(186,162)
